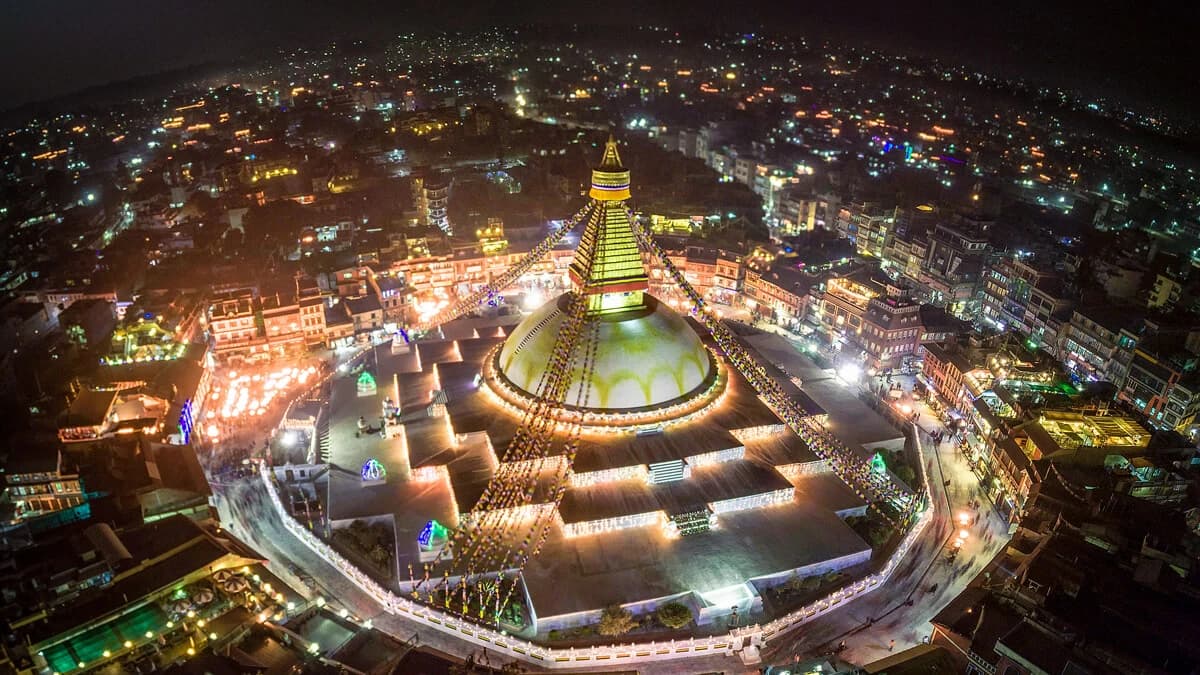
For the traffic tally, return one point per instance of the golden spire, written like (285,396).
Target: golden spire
(610,180)
(608,262)
(611,161)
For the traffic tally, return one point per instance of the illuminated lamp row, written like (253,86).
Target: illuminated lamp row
(517,403)
(758,501)
(536,465)
(614,475)
(794,472)
(629,521)
(717,457)
(756,433)
(429,474)
(510,515)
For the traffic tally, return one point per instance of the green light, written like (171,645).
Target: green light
(878,463)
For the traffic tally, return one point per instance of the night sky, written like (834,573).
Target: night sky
(1140,51)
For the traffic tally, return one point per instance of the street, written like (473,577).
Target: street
(928,579)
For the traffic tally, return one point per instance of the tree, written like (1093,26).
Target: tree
(274,223)
(674,615)
(616,620)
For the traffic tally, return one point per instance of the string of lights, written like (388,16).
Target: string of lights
(868,485)
(472,301)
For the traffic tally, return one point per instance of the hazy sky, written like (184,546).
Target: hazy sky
(1141,49)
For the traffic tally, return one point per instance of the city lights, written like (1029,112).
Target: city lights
(653,347)
(251,393)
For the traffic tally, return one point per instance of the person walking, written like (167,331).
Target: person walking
(891,645)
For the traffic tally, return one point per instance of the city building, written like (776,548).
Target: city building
(39,481)
(1165,293)
(954,265)
(112,592)
(105,413)
(1024,296)
(891,330)
(839,305)
(778,294)
(312,311)
(1163,383)
(1095,339)
(282,324)
(1064,597)
(232,323)
(431,194)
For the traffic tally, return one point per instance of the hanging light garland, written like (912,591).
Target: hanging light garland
(868,485)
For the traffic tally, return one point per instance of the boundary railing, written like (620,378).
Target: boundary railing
(620,654)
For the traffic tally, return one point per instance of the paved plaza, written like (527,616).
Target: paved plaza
(850,419)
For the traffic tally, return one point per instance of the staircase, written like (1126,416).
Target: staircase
(667,472)
(323,443)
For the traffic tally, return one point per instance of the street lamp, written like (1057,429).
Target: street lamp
(850,373)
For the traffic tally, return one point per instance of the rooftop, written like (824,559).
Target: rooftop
(90,408)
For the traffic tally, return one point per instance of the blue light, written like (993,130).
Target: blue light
(372,470)
(186,421)
(426,535)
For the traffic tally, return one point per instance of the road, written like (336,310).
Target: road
(870,623)
(867,625)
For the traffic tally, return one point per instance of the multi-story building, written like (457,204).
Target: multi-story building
(1163,383)
(392,298)
(431,195)
(366,313)
(232,322)
(39,482)
(839,305)
(282,324)
(744,169)
(312,311)
(779,294)
(891,330)
(353,281)
(1021,295)
(795,212)
(688,139)
(904,255)
(868,225)
(945,366)
(1094,338)
(954,262)
(714,273)
(1166,292)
